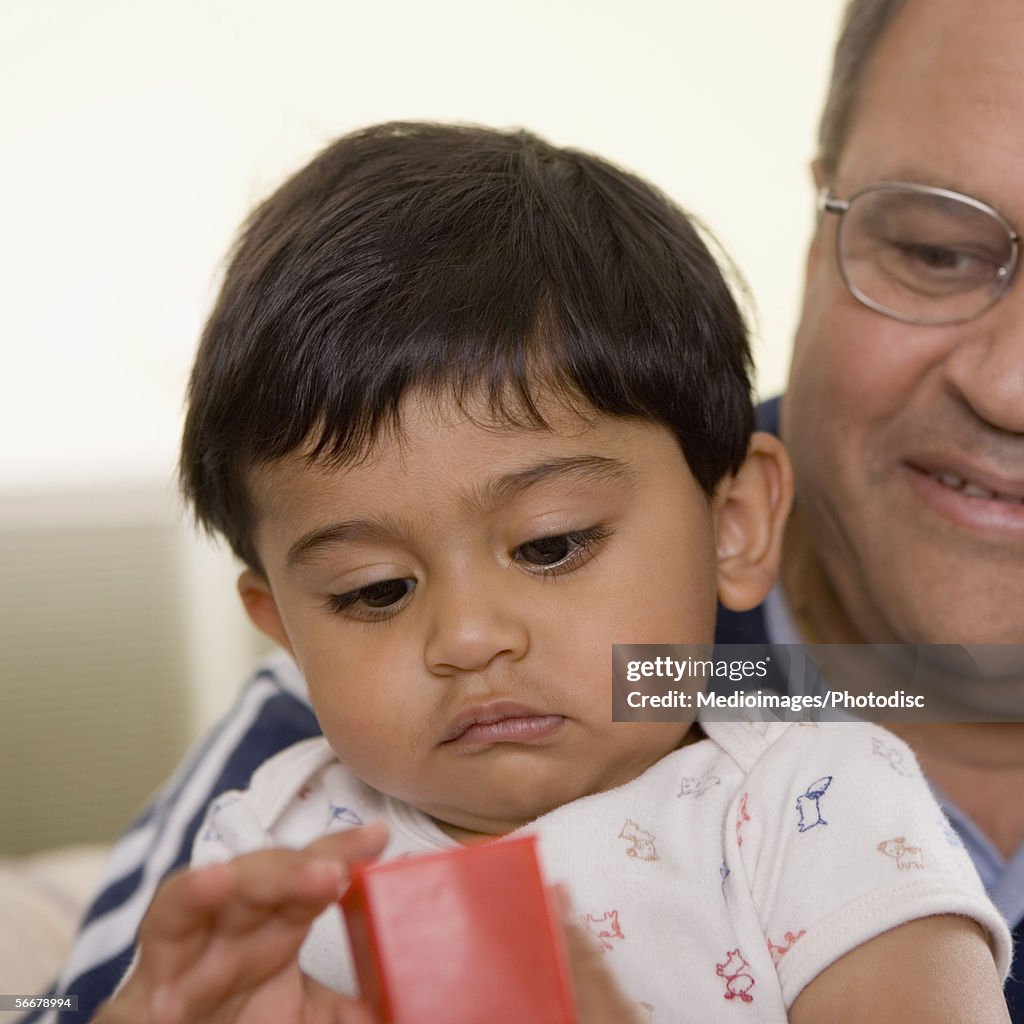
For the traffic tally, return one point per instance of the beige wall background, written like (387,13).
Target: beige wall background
(137,133)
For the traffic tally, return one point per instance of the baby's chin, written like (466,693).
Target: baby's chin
(468,827)
(481,820)
(517,810)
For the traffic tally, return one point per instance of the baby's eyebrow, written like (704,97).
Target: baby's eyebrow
(492,494)
(305,548)
(597,468)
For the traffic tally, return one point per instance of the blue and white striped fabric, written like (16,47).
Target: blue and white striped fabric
(272,712)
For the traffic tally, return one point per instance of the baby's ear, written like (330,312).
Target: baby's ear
(750,512)
(260,606)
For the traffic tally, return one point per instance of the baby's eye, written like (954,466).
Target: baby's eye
(387,592)
(561,552)
(374,601)
(545,550)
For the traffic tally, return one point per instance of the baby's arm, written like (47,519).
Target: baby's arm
(220,944)
(935,970)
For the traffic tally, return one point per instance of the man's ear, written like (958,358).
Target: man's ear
(751,511)
(821,179)
(261,607)
(819,173)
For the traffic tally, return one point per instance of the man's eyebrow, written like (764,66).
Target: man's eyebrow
(493,493)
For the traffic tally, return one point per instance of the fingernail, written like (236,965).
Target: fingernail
(376,830)
(161,1006)
(563,901)
(326,870)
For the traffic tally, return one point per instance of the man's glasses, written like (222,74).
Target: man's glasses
(920,254)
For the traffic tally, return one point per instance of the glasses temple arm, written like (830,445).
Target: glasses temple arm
(828,203)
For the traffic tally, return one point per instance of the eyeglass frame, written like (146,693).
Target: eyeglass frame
(828,203)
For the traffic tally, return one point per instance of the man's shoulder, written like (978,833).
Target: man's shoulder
(766,415)
(271,713)
(280,671)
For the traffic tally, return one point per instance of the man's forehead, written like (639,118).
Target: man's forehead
(942,101)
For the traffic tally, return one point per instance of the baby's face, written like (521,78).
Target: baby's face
(452,602)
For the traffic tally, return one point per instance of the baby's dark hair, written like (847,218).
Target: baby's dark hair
(457,260)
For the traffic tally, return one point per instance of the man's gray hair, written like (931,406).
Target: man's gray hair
(862,27)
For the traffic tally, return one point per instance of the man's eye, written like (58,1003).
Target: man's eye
(935,256)
(375,597)
(927,263)
(562,552)
(946,259)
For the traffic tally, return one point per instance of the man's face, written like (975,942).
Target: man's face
(452,599)
(907,440)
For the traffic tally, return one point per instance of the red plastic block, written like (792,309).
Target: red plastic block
(462,937)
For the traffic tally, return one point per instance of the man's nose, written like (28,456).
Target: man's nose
(986,364)
(472,623)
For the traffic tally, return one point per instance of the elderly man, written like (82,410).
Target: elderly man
(904,415)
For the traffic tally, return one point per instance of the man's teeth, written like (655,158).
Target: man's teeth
(973,490)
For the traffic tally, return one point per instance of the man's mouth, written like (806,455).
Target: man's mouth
(972,489)
(974,497)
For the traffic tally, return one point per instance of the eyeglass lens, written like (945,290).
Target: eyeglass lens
(923,257)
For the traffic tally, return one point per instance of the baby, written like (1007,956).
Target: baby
(471,409)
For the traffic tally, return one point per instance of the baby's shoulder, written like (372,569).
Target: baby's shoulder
(760,746)
(295,796)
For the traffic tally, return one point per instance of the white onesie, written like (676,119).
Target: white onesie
(718,883)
